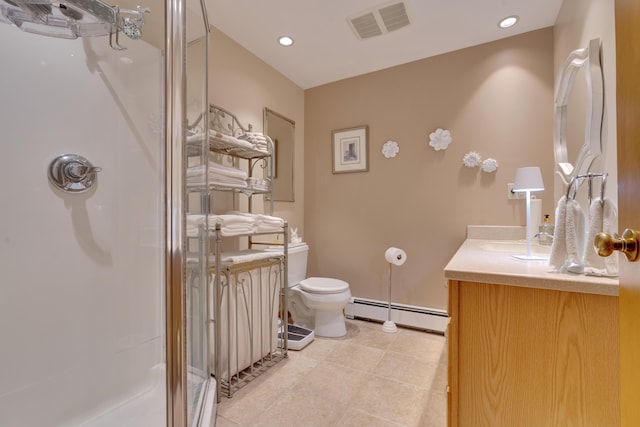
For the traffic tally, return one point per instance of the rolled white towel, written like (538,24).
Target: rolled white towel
(231,140)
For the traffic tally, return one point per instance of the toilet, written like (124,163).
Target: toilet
(315,303)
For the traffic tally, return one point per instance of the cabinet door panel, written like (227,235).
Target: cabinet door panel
(532,357)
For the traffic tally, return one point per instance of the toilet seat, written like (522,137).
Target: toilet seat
(323,285)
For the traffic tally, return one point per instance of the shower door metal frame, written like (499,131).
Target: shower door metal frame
(175,111)
(175,204)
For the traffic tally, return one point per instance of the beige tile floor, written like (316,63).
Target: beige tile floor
(367,378)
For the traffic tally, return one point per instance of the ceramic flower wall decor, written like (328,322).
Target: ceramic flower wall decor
(440,139)
(489,165)
(472,159)
(390,149)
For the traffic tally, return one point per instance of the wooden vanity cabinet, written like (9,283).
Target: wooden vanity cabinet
(522,356)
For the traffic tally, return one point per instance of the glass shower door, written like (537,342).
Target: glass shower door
(82,318)
(201,387)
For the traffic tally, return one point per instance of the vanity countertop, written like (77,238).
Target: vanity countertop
(480,260)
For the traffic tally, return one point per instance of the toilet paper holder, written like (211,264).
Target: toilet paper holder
(397,257)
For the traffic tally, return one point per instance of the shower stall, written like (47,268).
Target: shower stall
(97,324)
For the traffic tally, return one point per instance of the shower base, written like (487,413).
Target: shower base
(148,409)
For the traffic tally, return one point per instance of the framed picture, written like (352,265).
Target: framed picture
(350,149)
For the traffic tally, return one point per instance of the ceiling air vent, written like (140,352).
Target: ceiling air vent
(380,20)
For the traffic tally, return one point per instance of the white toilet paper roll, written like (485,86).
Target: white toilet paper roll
(395,256)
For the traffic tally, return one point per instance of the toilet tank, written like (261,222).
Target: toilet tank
(297,263)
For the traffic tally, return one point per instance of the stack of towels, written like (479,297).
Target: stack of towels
(235,223)
(227,176)
(258,140)
(249,140)
(264,223)
(572,249)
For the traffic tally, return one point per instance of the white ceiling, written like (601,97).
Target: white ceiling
(326,48)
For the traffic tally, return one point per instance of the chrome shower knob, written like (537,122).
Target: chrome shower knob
(72,173)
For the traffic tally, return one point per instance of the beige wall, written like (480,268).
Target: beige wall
(496,99)
(245,85)
(578,22)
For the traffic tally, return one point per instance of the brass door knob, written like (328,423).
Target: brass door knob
(605,244)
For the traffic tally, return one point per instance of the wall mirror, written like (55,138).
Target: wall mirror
(577,129)
(281,130)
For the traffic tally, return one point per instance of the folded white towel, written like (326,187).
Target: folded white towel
(218,175)
(264,223)
(603,217)
(192,223)
(245,256)
(217,168)
(575,233)
(559,245)
(229,219)
(230,225)
(266,228)
(227,170)
(567,250)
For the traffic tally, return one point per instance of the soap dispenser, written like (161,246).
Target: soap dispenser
(545,236)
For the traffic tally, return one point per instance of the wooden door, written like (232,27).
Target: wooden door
(628,117)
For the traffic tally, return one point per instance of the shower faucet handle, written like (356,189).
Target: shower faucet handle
(76,171)
(72,173)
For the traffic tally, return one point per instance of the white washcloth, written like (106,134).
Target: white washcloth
(567,250)
(603,217)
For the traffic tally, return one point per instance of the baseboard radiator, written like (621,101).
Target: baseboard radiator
(429,319)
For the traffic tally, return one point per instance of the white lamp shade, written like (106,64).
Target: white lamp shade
(528,179)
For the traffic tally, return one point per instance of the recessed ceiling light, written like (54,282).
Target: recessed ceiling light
(285,41)
(509,21)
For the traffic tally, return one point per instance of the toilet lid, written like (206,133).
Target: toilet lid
(323,285)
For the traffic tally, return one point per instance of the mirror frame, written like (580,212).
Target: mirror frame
(290,196)
(589,60)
